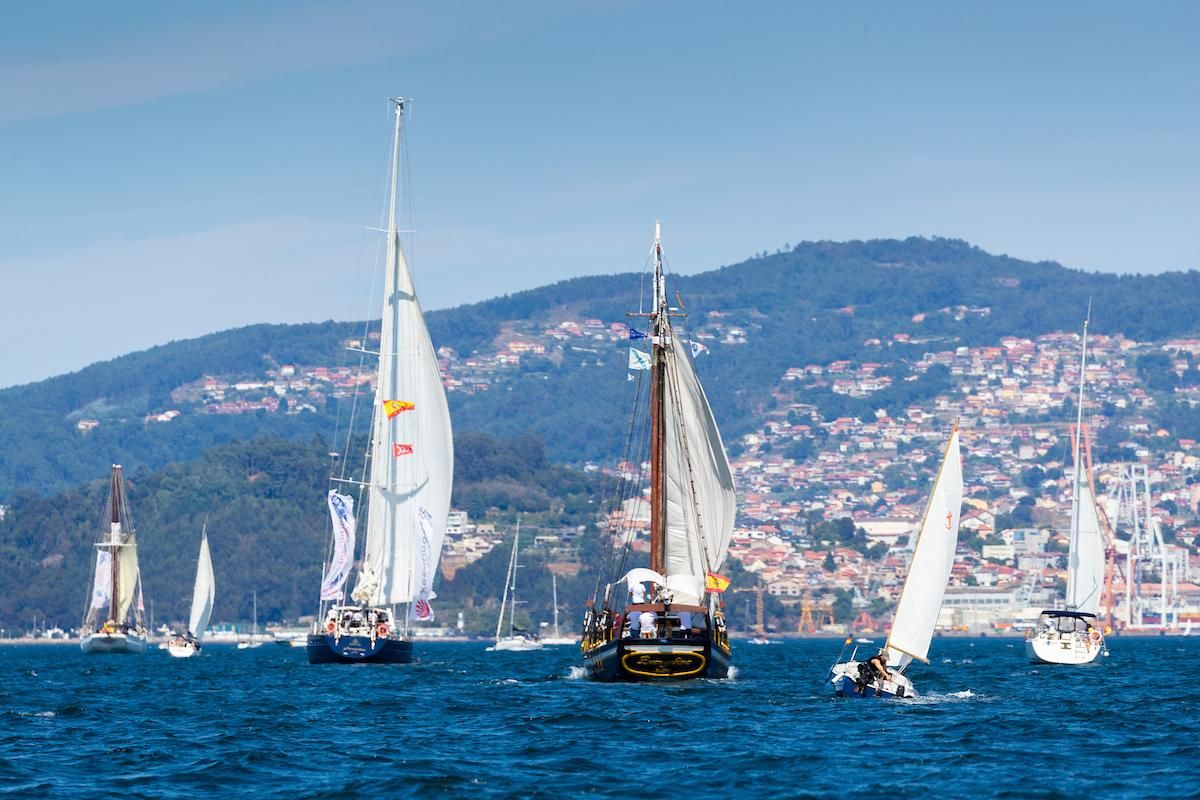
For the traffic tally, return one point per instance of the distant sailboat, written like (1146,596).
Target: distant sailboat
(1073,635)
(411,465)
(113,622)
(515,638)
(203,593)
(672,628)
(921,596)
(253,641)
(557,638)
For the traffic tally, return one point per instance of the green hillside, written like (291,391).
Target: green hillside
(268,529)
(814,303)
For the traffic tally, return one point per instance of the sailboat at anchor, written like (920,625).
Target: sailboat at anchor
(406,488)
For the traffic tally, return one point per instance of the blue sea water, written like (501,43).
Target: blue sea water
(466,723)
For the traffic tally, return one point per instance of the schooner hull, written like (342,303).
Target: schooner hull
(329,649)
(113,643)
(632,659)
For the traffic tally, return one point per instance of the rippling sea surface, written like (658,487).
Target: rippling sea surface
(463,722)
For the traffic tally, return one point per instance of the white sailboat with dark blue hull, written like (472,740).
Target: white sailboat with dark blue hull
(672,628)
(114,619)
(406,486)
(883,674)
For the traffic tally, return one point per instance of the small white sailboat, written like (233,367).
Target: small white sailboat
(253,641)
(203,593)
(557,638)
(1073,635)
(515,639)
(113,622)
(920,598)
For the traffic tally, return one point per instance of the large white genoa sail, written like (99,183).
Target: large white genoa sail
(412,450)
(203,593)
(929,571)
(701,502)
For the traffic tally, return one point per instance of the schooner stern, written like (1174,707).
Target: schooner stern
(672,626)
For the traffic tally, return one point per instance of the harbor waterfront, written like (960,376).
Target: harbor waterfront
(458,721)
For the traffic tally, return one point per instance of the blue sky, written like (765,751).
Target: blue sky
(169,170)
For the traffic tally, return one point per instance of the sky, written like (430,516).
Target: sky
(170,170)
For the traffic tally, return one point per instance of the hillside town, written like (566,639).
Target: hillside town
(800,472)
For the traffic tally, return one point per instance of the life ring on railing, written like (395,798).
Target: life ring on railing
(382,630)
(1094,636)
(330,627)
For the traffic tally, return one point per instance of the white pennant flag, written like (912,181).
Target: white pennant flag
(697,349)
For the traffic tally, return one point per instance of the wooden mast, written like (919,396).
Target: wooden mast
(659,331)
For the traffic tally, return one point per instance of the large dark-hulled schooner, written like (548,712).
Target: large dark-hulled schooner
(665,621)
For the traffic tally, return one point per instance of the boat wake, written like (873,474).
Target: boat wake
(938,698)
(576,673)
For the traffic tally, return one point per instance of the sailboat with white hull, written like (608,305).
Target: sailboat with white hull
(515,639)
(673,627)
(203,593)
(114,619)
(410,465)
(557,638)
(920,597)
(1073,635)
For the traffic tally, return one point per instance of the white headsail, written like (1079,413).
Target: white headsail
(928,572)
(203,593)
(412,450)
(1085,569)
(700,498)
(127,577)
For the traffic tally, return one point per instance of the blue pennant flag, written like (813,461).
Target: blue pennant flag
(634,333)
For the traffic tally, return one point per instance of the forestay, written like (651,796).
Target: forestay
(700,499)
(929,571)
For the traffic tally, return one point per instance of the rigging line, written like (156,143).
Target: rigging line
(622,489)
(636,491)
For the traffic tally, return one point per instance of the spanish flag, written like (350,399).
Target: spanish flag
(394,407)
(715,583)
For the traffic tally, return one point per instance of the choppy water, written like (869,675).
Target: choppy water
(263,724)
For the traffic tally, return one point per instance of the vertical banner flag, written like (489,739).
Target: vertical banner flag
(394,407)
(102,583)
(421,610)
(638,359)
(341,511)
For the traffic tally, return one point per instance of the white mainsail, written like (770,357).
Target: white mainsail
(928,572)
(701,502)
(203,593)
(412,450)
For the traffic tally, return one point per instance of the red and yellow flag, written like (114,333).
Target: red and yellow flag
(401,450)
(394,407)
(715,583)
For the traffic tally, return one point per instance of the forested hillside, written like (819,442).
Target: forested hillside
(814,303)
(264,502)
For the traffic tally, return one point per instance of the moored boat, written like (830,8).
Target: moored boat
(406,489)
(515,639)
(114,621)
(884,674)
(672,626)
